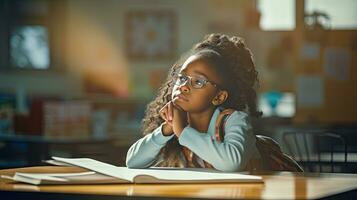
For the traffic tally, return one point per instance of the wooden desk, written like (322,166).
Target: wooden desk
(282,185)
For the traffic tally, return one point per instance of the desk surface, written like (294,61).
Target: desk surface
(282,185)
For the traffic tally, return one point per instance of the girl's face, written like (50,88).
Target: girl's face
(196,85)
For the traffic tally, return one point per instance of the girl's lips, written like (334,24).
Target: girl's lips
(181,97)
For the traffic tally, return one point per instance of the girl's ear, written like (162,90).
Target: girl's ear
(220,98)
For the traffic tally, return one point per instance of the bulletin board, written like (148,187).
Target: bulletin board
(333,63)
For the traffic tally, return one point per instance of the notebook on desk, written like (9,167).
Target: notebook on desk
(100,172)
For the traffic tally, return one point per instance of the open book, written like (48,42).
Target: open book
(63,178)
(100,172)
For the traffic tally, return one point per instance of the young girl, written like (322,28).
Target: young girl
(179,125)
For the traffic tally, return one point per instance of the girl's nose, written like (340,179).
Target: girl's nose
(184,88)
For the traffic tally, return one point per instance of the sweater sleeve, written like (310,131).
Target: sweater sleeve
(143,153)
(231,154)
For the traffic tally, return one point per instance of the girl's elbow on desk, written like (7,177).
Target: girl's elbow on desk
(132,164)
(228,167)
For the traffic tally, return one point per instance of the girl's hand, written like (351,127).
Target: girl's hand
(167,129)
(175,119)
(179,121)
(166,114)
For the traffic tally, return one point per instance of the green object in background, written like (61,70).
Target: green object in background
(273,98)
(7,112)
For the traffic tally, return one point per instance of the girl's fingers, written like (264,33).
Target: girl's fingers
(173,101)
(163,114)
(167,112)
(170,111)
(177,107)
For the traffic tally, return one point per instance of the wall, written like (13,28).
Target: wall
(339,103)
(194,20)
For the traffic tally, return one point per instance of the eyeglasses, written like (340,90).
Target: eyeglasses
(195,82)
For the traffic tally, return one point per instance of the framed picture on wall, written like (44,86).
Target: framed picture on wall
(150,34)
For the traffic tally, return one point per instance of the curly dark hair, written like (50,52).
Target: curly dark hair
(239,75)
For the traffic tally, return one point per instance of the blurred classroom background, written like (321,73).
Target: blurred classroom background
(76,75)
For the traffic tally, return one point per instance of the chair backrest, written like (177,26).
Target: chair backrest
(317,151)
(272,157)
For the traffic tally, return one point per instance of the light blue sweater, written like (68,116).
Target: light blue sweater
(230,155)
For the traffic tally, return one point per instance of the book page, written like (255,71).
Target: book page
(100,167)
(95,178)
(52,176)
(65,178)
(160,175)
(191,176)
(56,163)
(40,175)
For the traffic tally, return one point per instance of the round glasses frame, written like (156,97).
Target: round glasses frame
(193,81)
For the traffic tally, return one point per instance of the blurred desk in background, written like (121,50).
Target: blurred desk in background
(320,148)
(22,150)
(326,163)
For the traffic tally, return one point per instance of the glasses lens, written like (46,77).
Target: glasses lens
(180,79)
(194,81)
(198,82)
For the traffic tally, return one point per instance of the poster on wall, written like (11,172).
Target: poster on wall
(310,91)
(150,34)
(337,63)
(310,51)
